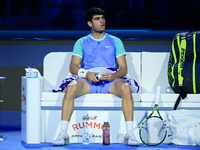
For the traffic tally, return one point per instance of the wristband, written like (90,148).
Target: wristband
(82,73)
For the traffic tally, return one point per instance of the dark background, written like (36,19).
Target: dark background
(120,14)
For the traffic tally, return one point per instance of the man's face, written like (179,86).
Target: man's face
(98,23)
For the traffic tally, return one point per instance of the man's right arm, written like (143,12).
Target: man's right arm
(74,68)
(74,64)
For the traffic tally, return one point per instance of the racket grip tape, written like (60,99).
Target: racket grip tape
(157,95)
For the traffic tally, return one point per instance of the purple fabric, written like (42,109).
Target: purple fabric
(63,85)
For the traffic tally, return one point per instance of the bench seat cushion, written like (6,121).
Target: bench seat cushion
(168,100)
(96,100)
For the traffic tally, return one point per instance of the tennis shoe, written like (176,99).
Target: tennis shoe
(62,139)
(130,139)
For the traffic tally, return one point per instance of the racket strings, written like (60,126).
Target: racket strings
(153,131)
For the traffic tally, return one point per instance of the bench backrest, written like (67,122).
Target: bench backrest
(154,71)
(56,67)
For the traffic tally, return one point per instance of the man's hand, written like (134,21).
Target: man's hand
(108,76)
(91,76)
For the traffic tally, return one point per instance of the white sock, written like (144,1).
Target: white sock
(129,126)
(64,125)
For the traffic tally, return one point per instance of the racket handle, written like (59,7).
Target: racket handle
(157,95)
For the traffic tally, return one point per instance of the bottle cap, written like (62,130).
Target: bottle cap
(106,123)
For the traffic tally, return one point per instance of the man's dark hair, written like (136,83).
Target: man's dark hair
(93,11)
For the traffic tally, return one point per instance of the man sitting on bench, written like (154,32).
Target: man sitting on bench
(98,49)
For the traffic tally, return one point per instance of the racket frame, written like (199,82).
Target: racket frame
(150,116)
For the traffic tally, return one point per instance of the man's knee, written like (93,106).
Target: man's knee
(71,88)
(74,82)
(126,89)
(76,88)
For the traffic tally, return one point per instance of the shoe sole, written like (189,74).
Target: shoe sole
(60,144)
(133,144)
(125,141)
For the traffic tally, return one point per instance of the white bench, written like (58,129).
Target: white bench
(148,69)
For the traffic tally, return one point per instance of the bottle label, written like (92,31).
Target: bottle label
(106,137)
(106,128)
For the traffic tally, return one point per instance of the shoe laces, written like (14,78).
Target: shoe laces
(131,135)
(62,134)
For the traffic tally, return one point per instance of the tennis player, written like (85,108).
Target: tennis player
(97,49)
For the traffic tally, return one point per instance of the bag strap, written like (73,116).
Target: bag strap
(182,95)
(177,102)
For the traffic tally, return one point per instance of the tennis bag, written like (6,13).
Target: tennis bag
(184,64)
(184,126)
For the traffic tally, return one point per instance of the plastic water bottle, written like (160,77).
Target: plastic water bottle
(106,133)
(168,89)
(86,135)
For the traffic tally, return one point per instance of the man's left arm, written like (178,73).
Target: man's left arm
(120,73)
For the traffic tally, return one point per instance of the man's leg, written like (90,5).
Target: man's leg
(75,88)
(121,88)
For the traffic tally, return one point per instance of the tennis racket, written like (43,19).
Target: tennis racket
(153,129)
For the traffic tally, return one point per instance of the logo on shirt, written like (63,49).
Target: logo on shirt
(108,46)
